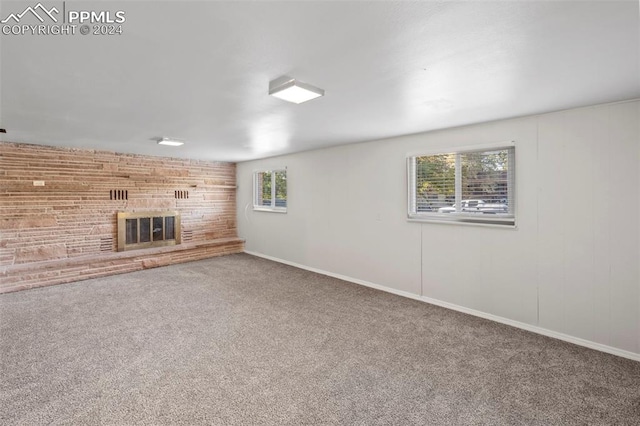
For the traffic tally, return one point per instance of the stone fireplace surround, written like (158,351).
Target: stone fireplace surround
(67,230)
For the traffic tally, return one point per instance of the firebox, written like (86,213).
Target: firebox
(148,229)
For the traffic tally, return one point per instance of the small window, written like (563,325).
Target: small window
(270,190)
(467,186)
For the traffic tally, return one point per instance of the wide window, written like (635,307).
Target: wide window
(466,186)
(270,190)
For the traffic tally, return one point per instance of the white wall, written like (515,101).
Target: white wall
(570,267)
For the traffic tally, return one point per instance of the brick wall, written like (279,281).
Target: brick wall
(73,216)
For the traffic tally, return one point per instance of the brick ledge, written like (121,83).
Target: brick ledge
(105,257)
(59,271)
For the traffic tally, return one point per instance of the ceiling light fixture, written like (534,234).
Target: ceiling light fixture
(170,142)
(292,90)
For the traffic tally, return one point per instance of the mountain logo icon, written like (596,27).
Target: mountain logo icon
(34,11)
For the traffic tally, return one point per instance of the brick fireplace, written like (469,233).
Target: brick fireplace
(60,207)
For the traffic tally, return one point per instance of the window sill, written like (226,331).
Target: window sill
(271,210)
(466,221)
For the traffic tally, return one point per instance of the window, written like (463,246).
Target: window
(466,186)
(270,190)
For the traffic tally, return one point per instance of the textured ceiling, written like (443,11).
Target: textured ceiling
(200,71)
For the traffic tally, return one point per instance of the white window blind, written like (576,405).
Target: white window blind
(270,190)
(466,186)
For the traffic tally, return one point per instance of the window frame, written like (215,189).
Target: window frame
(460,218)
(257,191)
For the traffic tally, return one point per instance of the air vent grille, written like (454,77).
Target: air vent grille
(106,244)
(119,194)
(182,194)
(187,235)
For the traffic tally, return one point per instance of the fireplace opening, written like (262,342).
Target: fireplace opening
(148,229)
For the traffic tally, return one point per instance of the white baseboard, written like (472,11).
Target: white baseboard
(532,328)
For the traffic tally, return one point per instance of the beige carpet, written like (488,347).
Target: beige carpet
(240,340)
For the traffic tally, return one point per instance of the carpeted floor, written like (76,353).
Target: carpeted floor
(240,340)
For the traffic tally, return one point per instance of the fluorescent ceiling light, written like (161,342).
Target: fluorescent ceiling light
(170,142)
(291,90)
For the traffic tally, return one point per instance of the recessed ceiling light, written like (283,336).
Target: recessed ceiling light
(291,90)
(170,142)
